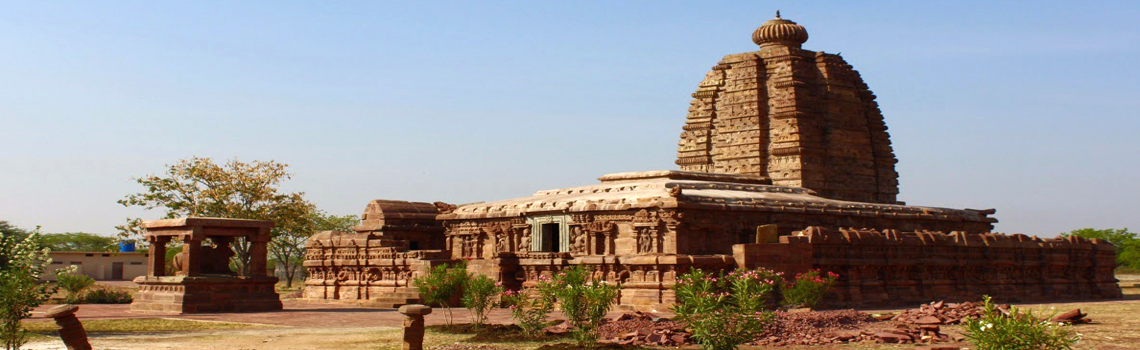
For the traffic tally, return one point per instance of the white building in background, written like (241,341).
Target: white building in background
(102,266)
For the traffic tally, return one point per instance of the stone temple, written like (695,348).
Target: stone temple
(785,163)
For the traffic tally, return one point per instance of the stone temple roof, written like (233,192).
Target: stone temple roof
(802,118)
(696,190)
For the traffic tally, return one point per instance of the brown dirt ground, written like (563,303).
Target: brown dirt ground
(329,326)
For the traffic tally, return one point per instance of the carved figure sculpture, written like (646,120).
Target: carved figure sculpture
(501,243)
(579,241)
(524,242)
(644,240)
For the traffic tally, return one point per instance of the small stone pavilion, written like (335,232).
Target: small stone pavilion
(203,281)
(785,163)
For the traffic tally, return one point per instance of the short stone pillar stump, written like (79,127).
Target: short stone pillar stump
(414,325)
(203,281)
(70,329)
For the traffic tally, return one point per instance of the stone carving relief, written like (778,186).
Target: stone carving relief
(524,240)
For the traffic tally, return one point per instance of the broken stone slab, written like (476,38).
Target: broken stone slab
(1072,316)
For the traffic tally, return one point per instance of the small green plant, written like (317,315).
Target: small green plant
(478,297)
(725,310)
(530,306)
(107,296)
(584,302)
(808,288)
(22,261)
(74,284)
(1017,330)
(441,284)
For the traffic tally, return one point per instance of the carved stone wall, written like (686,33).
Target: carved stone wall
(715,231)
(645,282)
(395,242)
(891,268)
(362,267)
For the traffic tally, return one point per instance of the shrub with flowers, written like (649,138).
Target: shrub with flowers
(725,310)
(530,306)
(583,301)
(477,297)
(22,261)
(808,288)
(441,284)
(1017,330)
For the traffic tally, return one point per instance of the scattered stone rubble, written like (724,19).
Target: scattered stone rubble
(640,328)
(922,325)
(944,313)
(815,327)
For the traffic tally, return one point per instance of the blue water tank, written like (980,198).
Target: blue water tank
(126,247)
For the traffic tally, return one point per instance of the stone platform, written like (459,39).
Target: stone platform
(205,294)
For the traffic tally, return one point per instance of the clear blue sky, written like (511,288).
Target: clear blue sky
(1027,107)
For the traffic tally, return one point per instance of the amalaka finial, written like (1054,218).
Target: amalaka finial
(779,31)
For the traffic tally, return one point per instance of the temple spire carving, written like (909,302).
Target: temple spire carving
(800,117)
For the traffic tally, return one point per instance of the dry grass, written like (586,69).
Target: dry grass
(137,325)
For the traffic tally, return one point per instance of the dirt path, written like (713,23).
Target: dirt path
(272,338)
(326,326)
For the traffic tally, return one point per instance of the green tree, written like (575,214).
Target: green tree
(1127,243)
(235,189)
(79,242)
(287,248)
(9,230)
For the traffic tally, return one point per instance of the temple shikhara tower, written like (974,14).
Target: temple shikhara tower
(802,118)
(785,163)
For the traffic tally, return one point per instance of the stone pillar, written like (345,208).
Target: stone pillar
(156,265)
(414,325)
(192,265)
(258,257)
(70,329)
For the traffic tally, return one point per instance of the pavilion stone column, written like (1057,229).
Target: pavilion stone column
(414,325)
(70,329)
(192,266)
(156,264)
(259,253)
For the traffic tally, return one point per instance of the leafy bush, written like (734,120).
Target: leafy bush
(74,284)
(107,296)
(724,311)
(441,284)
(530,306)
(22,261)
(808,288)
(477,296)
(1017,331)
(583,302)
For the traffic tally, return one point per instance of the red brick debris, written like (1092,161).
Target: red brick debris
(922,325)
(944,313)
(641,328)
